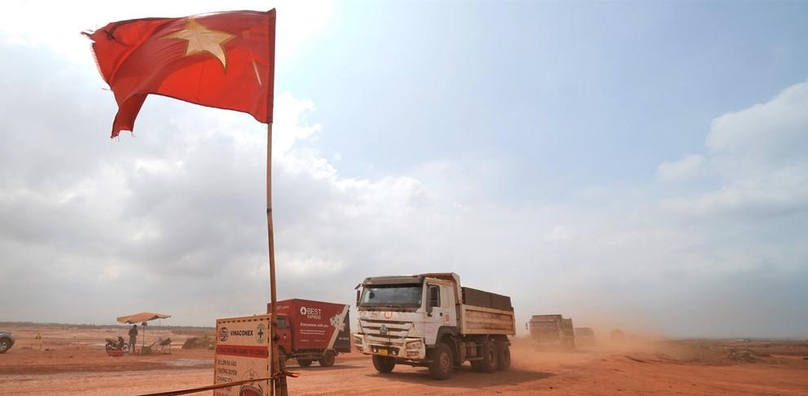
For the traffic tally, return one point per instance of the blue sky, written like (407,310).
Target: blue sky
(536,80)
(632,165)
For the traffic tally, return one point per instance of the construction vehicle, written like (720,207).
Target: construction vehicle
(430,320)
(584,337)
(551,331)
(312,331)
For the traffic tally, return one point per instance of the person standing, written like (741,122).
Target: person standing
(132,338)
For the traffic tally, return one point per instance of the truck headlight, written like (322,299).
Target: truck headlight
(413,345)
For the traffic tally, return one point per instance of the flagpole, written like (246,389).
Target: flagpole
(279,380)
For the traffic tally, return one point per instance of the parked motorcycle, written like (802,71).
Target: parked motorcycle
(116,345)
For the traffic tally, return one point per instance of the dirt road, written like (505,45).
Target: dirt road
(74,365)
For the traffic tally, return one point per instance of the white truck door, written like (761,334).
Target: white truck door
(441,310)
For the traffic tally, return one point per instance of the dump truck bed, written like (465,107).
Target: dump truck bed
(481,320)
(484,312)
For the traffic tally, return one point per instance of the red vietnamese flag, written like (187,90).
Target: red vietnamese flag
(224,60)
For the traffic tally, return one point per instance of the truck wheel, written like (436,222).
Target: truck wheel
(442,363)
(383,364)
(328,359)
(489,362)
(503,356)
(304,362)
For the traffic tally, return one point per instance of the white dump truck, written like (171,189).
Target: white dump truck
(429,320)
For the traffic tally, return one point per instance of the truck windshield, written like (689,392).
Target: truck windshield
(391,296)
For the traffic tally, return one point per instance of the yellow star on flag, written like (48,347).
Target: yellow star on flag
(202,39)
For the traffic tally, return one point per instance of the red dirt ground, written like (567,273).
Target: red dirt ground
(71,361)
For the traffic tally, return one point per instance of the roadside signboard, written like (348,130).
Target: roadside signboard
(242,353)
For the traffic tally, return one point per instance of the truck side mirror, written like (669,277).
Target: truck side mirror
(357,293)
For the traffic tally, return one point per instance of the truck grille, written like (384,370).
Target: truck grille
(381,331)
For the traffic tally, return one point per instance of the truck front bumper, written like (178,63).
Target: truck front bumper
(407,348)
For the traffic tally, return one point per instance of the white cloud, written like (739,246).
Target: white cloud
(291,123)
(759,154)
(772,132)
(771,194)
(302,265)
(685,168)
(559,234)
